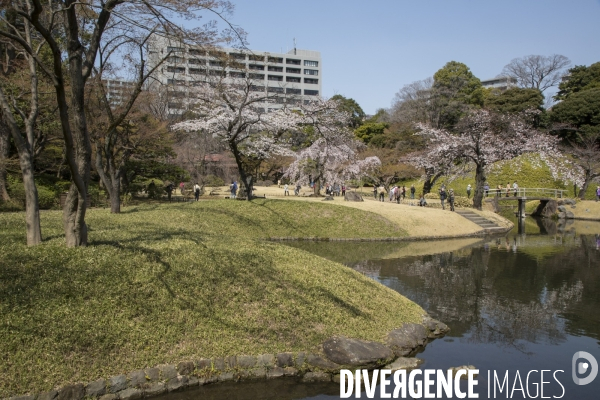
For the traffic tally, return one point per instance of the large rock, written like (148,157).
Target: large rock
(404,363)
(353,196)
(407,338)
(71,392)
(546,209)
(355,352)
(436,328)
(328,198)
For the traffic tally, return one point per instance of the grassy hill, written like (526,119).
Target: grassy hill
(171,282)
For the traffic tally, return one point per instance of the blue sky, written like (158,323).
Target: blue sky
(370,49)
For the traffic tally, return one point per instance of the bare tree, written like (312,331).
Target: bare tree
(537,72)
(586,155)
(4,154)
(416,102)
(74,32)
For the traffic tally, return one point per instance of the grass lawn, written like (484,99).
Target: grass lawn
(171,282)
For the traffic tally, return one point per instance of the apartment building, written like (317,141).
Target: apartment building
(287,78)
(117,91)
(501,83)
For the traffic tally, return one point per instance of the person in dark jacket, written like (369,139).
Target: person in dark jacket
(451,199)
(443,196)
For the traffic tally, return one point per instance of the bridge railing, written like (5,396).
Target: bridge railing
(528,192)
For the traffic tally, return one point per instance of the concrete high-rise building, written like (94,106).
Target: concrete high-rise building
(287,78)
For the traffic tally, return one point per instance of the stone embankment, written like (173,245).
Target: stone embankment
(335,354)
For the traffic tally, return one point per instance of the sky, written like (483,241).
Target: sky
(371,49)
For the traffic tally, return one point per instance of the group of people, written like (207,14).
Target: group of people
(335,189)
(286,191)
(397,193)
(514,189)
(448,195)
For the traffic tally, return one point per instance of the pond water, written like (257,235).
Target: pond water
(525,301)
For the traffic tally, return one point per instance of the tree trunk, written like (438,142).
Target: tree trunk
(589,177)
(479,183)
(115,197)
(430,180)
(4,153)
(246,179)
(110,179)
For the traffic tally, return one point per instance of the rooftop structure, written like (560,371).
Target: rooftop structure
(500,82)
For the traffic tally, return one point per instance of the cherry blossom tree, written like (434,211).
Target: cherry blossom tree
(483,138)
(333,154)
(232,110)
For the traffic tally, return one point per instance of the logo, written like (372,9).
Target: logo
(581,368)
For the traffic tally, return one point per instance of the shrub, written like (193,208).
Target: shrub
(213,181)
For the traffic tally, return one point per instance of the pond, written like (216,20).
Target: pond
(525,301)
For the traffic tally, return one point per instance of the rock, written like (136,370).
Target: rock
(71,392)
(193,381)
(96,388)
(51,395)
(573,206)
(276,372)
(316,377)
(285,360)
(353,196)
(265,360)
(562,208)
(404,363)
(569,215)
(225,376)
(546,209)
(254,373)
(290,371)
(177,383)
(109,396)
(328,198)
(230,362)
(562,215)
(219,364)
(130,394)
(246,361)
(154,389)
(167,372)
(570,202)
(118,383)
(207,379)
(462,367)
(315,360)
(137,378)
(355,352)
(300,359)
(203,363)
(152,374)
(407,338)
(436,328)
(21,398)
(185,367)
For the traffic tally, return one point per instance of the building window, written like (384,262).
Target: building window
(217,54)
(254,57)
(293,91)
(255,88)
(293,70)
(196,61)
(275,69)
(175,60)
(237,74)
(174,49)
(311,80)
(256,76)
(179,70)
(197,52)
(256,67)
(275,78)
(214,63)
(197,71)
(279,100)
(237,56)
(292,61)
(311,72)
(311,92)
(308,63)
(177,94)
(292,79)
(217,72)
(293,101)
(175,82)
(277,60)
(272,89)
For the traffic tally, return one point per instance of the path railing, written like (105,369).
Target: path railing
(528,192)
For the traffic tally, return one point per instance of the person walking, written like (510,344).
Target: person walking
(375,191)
(443,195)
(451,199)
(285,190)
(169,190)
(469,191)
(412,192)
(486,189)
(196,191)
(403,193)
(393,192)
(515,188)
(234,188)
(181,187)
(297,190)
(507,189)
(598,193)
(343,190)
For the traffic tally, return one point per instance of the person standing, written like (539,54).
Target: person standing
(393,192)
(412,192)
(381,192)
(598,193)
(285,190)
(507,189)
(234,188)
(196,191)
(343,190)
(297,191)
(515,188)
(375,191)
(469,191)
(169,190)
(403,192)
(181,187)
(451,199)
(486,189)
(443,196)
